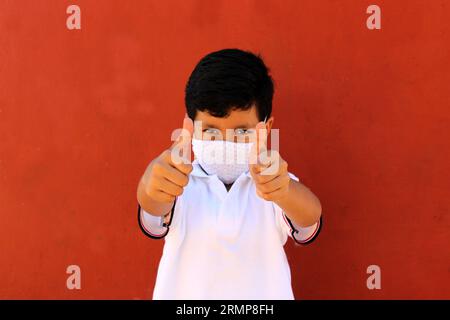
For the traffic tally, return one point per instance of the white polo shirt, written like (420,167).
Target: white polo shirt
(223,244)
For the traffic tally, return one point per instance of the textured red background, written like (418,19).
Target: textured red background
(364,119)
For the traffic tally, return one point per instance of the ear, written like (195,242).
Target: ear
(269,124)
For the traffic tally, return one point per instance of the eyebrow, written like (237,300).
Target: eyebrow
(241,126)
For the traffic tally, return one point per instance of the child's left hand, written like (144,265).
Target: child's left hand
(268,169)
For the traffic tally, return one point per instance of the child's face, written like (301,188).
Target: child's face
(239,126)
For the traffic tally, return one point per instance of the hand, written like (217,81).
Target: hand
(268,169)
(168,174)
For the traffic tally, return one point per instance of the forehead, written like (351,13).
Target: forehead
(236,119)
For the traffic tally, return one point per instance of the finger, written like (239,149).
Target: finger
(274,164)
(161,196)
(174,175)
(181,162)
(277,194)
(259,143)
(261,179)
(181,148)
(255,171)
(183,135)
(274,184)
(276,167)
(260,194)
(168,187)
(263,163)
(167,157)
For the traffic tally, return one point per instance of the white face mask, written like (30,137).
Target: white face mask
(227,159)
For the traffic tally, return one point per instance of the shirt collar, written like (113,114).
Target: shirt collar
(197,171)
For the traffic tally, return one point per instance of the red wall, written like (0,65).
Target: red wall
(363,115)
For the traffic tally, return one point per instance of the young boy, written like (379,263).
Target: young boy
(225,223)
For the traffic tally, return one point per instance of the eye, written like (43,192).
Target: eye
(211,131)
(242,131)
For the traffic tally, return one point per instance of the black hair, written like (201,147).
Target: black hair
(229,79)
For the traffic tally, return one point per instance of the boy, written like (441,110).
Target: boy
(225,223)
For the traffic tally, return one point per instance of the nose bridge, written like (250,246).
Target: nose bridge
(228,134)
(234,137)
(224,134)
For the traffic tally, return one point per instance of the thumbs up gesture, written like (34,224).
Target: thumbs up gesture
(167,175)
(268,169)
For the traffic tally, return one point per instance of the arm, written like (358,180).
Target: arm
(300,204)
(161,183)
(274,183)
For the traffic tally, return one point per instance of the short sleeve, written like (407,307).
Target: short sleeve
(153,226)
(301,235)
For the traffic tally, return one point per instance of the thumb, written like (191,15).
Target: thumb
(259,145)
(180,151)
(184,135)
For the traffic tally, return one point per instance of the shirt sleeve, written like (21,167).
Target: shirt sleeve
(155,227)
(301,235)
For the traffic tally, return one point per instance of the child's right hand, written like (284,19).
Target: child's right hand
(166,176)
